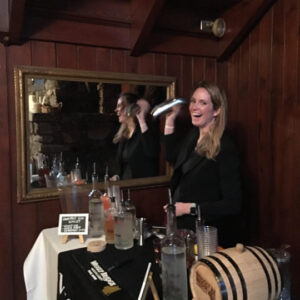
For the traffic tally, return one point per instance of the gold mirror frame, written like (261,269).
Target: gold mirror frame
(27,194)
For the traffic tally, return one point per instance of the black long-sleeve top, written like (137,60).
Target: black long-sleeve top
(139,156)
(212,183)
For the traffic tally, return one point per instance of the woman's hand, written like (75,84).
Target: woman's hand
(170,119)
(182,208)
(172,115)
(144,109)
(114,178)
(141,115)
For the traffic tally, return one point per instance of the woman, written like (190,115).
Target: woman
(206,167)
(137,138)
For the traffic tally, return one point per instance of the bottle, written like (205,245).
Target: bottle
(283,257)
(105,197)
(109,219)
(129,207)
(173,260)
(42,171)
(123,232)
(96,214)
(61,178)
(76,174)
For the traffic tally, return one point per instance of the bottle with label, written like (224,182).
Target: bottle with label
(173,260)
(129,207)
(96,213)
(109,219)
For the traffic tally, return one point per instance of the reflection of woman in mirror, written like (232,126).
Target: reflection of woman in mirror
(137,138)
(206,165)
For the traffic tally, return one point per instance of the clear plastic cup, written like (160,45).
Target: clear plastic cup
(207,240)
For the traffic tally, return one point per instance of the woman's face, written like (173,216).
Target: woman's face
(120,111)
(201,109)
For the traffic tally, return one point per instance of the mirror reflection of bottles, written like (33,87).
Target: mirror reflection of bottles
(96,213)
(173,260)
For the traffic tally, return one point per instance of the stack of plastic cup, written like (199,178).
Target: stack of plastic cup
(207,240)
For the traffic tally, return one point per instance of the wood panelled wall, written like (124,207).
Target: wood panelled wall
(263,86)
(23,222)
(262,82)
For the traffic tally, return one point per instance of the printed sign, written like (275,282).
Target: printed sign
(73,224)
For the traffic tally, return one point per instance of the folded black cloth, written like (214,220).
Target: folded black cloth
(111,274)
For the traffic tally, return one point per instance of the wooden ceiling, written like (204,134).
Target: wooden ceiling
(141,26)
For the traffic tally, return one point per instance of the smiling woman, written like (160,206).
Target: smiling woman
(66,117)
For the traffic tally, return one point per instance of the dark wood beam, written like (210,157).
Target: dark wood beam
(66,31)
(17,10)
(144,14)
(240,19)
(166,42)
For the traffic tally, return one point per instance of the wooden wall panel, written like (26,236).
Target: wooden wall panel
(6,247)
(27,220)
(263,88)
(104,59)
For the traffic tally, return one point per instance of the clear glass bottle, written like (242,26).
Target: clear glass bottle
(173,260)
(105,197)
(109,221)
(96,213)
(129,207)
(123,232)
(61,178)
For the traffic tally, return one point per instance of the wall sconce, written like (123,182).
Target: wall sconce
(217,27)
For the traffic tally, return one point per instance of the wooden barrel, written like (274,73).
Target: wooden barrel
(239,273)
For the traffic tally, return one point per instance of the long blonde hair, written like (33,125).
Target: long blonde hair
(209,146)
(130,107)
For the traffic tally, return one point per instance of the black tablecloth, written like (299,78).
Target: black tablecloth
(79,269)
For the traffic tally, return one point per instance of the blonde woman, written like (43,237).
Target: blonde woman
(206,165)
(137,139)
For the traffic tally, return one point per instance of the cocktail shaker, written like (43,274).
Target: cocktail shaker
(166,106)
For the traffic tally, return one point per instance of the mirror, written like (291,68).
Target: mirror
(68,116)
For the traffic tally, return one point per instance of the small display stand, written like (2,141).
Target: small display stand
(73,224)
(148,282)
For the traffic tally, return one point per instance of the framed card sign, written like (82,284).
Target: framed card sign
(73,224)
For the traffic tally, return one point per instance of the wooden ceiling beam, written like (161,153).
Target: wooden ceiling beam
(4,20)
(16,17)
(165,42)
(240,19)
(144,15)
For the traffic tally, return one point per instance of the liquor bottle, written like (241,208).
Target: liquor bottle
(76,177)
(105,197)
(61,178)
(96,213)
(42,171)
(123,232)
(173,260)
(129,207)
(109,219)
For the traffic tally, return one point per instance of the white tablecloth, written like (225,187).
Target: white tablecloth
(40,266)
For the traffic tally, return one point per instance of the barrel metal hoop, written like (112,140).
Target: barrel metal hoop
(272,267)
(225,269)
(264,269)
(218,278)
(240,274)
